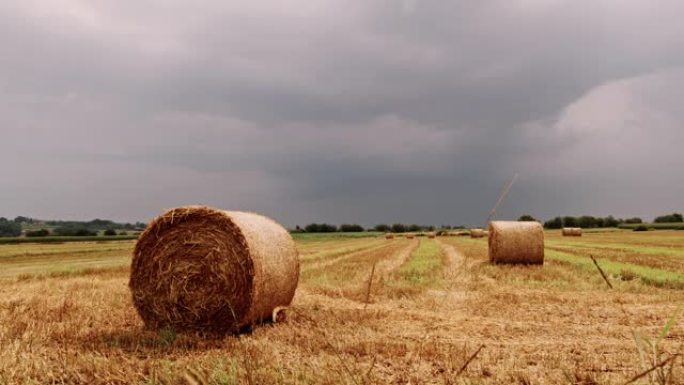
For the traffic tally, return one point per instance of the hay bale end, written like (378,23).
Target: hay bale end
(201,268)
(516,242)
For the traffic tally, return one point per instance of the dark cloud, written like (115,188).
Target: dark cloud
(414,111)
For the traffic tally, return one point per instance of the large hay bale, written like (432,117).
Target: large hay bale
(410,236)
(431,235)
(571,231)
(389,236)
(516,242)
(477,233)
(201,268)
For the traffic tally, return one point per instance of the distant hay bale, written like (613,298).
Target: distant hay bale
(463,233)
(431,235)
(516,242)
(572,231)
(410,236)
(389,236)
(201,268)
(477,233)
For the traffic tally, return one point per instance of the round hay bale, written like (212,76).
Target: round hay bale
(431,235)
(571,231)
(410,236)
(477,233)
(389,236)
(202,268)
(516,242)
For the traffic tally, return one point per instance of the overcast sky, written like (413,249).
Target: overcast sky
(341,111)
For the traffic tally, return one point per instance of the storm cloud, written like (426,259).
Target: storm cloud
(374,111)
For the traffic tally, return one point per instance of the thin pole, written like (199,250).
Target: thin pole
(503,194)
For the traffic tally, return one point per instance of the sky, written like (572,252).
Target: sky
(414,111)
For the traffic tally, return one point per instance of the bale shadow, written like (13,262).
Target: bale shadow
(160,343)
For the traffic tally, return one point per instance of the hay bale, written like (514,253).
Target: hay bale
(516,242)
(201,268)
(571,231)
(389,236)
(477,233)
(431,235)
(410,236)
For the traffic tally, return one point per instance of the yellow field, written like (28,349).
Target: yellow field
(66,316)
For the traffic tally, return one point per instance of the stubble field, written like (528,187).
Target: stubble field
(436,312)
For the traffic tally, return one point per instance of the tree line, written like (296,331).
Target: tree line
(383,228)
(15,227)
(588,221)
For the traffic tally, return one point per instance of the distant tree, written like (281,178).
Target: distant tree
(382,228)
(609,221)
(398,228)
(570,222)
(9,228)
(634,220)
(38,233)
(320,228)
(110,232)
(414,228)
(346,228)
(671,218)
(526,218)
(586,222)
(21,219)
(555,223)
(74,231)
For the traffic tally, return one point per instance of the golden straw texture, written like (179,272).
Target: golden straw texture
(197,267)
(516,242)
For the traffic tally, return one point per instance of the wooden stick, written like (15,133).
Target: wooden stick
(463,368)
(658,365)
(370,282)
(605,278)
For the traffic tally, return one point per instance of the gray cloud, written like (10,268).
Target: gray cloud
(414,111)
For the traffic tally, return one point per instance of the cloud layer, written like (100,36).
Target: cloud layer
(414,111)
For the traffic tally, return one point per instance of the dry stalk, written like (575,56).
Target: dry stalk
(605,278)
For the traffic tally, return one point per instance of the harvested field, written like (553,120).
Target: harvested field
(66,316)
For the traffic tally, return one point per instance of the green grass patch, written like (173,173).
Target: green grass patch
(58,239)
(423,266)
(651,250)
(654,226)
(648,275)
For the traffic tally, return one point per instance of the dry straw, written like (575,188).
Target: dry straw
(477,233)
(516,242)
(571,231)
(201,268)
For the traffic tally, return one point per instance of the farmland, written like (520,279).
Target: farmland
(435,312)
